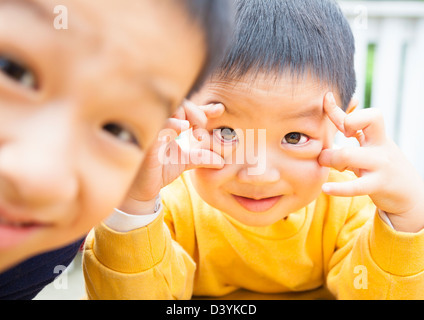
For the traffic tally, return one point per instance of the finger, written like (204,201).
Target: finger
(177,125)
(180,113)
(334,113)
(203,158)
(165,151)
(338,117)
(358,187)
(203,139)
(366,125)
(348,159)
(213,111)
(195,115)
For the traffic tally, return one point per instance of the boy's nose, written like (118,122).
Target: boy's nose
(259,174)
(36,168)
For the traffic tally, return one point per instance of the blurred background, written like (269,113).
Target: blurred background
(390,70)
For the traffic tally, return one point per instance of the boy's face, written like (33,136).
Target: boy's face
(273,172)
(78,108)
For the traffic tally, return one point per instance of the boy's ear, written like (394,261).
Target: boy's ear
(353,104)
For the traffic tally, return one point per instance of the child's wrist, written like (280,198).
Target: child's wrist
(410,222)
(135,207)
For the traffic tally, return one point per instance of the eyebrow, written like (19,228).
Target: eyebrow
(39,9)
(311,112)
(165,101)
(159,96)
(231,111)
(314,112)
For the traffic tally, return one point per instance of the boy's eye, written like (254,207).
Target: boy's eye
(121,133)
(18,73)
(226,135)
(295,138)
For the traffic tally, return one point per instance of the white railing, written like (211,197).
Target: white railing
(396,28)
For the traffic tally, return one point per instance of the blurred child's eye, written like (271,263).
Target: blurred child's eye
(121,133)
(226,135)
(18,73)
(295,138)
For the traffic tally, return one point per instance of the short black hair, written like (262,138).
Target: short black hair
(216,18)
(292,37)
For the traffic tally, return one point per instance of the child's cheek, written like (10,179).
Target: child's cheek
(316,174)
(305,171)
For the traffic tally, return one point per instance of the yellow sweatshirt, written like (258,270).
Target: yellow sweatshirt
(195,249)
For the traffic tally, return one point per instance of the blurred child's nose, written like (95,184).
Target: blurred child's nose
(36,162)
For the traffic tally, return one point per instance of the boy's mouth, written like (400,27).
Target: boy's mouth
(13,233)
(257,205)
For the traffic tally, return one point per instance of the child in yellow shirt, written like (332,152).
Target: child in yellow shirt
(261,209)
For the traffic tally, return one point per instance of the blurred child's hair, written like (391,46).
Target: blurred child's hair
(216,18)
(292,37)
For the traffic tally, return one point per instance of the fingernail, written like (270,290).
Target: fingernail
(326,188)
(217,106)
(189,104)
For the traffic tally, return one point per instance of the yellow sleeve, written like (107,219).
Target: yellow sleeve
(142,264)
(373,261)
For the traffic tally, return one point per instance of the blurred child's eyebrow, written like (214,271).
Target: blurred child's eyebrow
(34,6)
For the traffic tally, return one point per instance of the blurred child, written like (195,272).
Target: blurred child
(294,224)
(80,106)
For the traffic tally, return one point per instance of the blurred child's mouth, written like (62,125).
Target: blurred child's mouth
(257,205)
(14,233)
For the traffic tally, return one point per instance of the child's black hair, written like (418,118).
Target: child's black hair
(292,37)
(216,18)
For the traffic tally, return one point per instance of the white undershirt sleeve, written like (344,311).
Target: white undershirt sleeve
(120,221)
(385,218)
